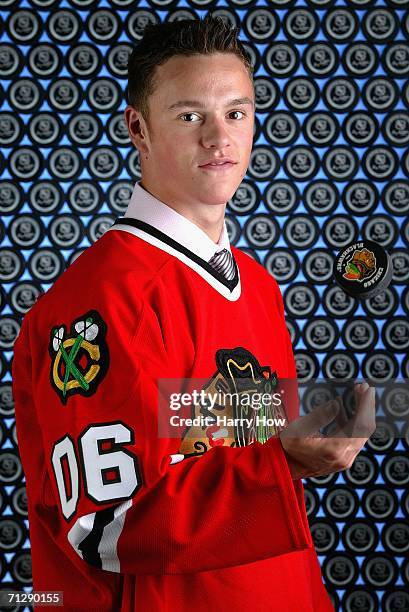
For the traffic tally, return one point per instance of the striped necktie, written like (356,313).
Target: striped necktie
(223,262)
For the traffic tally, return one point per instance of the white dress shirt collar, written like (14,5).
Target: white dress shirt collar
(146,207)
(155,222)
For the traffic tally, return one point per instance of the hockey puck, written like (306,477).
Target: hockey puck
(363,269)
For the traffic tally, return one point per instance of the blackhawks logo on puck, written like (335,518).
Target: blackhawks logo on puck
(361,265)
(363,269)
(79,358)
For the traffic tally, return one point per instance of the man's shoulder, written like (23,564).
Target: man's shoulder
(115,269)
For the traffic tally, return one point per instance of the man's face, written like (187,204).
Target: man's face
(178,140)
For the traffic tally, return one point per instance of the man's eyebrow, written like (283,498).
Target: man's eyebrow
(197,104)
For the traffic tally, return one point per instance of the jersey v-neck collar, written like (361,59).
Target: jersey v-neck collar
(147,217)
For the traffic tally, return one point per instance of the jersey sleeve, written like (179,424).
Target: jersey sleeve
(104,481)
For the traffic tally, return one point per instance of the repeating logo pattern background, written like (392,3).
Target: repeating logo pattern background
(330,164)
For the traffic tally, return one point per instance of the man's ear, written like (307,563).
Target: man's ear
(137,129)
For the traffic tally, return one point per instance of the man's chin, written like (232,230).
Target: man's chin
(218,192)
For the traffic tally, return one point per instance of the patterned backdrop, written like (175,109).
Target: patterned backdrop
(330,164)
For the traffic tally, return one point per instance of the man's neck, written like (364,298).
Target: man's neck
(210,220)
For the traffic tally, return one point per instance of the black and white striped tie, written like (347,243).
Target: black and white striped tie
(223,262)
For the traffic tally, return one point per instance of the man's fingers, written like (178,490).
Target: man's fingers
(309,454)
(309,424)
(363,423)
(342,417)
(365,414)
(359,388)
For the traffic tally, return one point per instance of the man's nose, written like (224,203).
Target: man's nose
(215,133)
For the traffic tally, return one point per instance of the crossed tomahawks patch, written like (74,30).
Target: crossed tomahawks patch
(79,359)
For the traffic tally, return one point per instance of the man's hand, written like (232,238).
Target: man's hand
(310,454)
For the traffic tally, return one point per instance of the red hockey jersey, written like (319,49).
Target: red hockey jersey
(120,518)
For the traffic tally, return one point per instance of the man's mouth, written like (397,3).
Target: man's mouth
(218,167)
(218,163)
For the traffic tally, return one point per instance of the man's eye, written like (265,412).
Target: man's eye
(237,111)
(194,114)
(187,115)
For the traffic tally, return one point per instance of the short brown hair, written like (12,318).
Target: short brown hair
(186,37)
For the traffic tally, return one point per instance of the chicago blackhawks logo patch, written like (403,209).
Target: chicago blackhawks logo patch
(238,374)
(79,358)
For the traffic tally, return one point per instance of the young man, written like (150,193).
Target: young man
(120,517)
